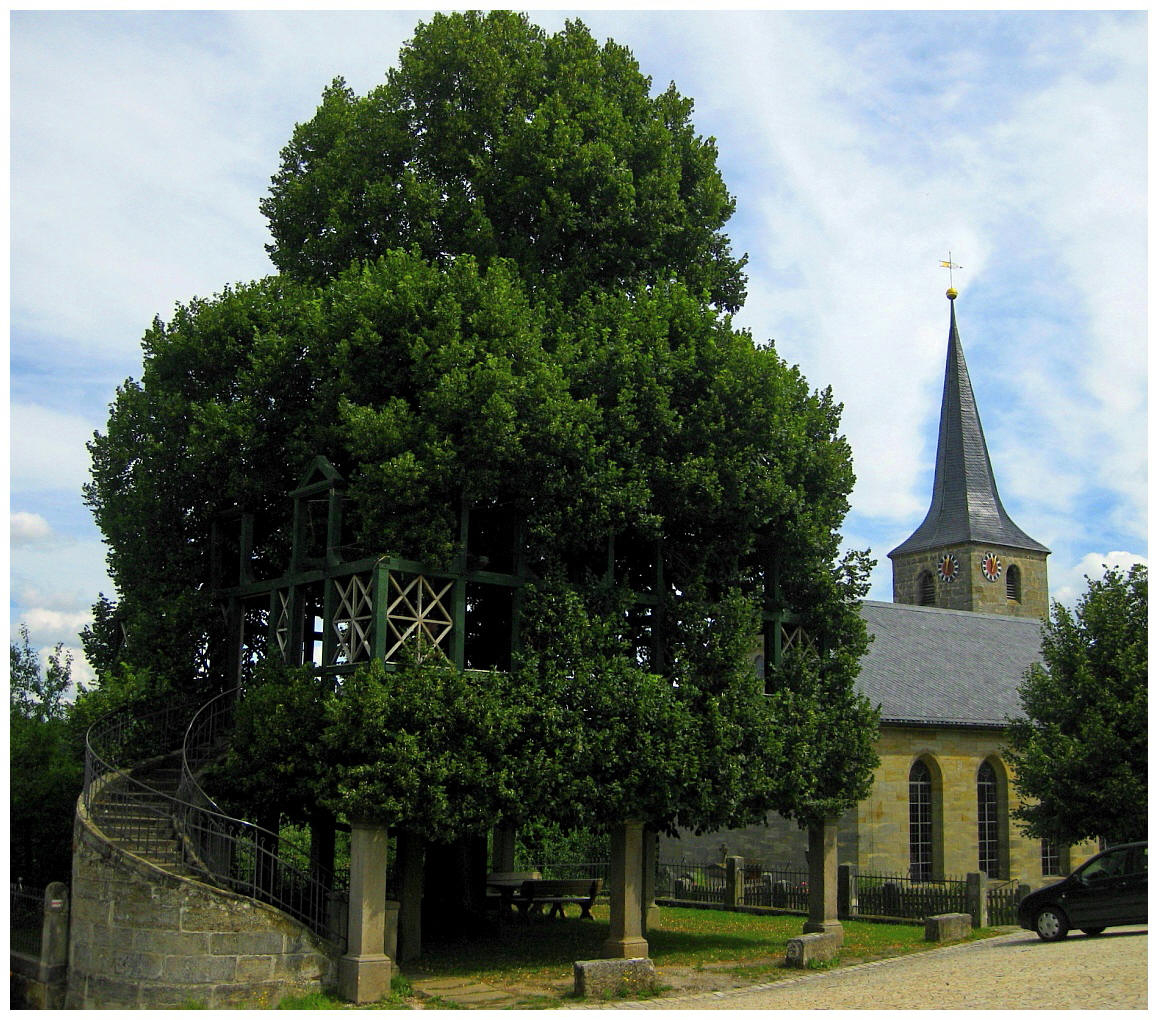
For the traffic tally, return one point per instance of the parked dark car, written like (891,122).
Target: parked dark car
(1107,890)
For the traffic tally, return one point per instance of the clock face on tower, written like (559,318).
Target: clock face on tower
(948,568)
(991,566)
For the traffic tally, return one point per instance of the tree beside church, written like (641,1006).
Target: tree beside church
(1079,746)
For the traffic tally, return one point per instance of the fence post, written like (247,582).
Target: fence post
(734,881)
(844,892)
(976,902)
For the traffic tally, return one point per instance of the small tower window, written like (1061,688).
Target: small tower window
(926,590)
(1013,584)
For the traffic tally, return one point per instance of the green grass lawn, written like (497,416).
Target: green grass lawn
(540,952)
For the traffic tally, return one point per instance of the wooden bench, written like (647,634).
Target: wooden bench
(558,894)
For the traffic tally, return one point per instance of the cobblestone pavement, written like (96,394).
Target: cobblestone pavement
(1016,971)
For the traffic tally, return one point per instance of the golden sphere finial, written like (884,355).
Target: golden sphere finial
(951,294)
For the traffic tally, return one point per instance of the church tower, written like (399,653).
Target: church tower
(968,554)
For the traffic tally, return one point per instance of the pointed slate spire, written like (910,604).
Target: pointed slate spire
(965,506)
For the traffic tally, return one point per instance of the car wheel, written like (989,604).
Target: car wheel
(1051,924)
(1093,931)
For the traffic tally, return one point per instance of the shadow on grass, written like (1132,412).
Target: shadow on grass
(529,947)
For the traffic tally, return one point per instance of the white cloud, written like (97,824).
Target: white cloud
(1072,583)
(28,529)
(50,626)
(48,449)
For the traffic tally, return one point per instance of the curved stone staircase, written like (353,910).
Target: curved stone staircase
(174,903)
(136,816)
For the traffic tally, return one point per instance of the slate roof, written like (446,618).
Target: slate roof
(965,505)
(944,666)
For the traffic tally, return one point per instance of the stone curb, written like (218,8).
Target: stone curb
(771,986)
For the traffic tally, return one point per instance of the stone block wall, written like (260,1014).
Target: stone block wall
(778,842)
(971,592)
(875,835)
(953,755)
(142,938)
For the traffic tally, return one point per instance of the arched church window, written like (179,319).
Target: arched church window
(920,822)
(988,829)
(926,590)
(1013,584)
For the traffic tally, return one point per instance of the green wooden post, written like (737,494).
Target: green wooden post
(245,549)
(458,610)
(329,607)
(659,649)
(381,596)
(334,528)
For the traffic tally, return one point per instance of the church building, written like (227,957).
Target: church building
(947,657)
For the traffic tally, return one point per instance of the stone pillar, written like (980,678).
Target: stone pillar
(625,940)
(976,900)
(651,915)
(845,891)
(364,972)
(53,970)
(410,881)
(503,847)
(822,878)
(734,881)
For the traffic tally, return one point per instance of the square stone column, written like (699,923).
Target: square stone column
(364,972)
(625,940)
(822,879)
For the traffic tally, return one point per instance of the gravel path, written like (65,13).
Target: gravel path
(1016,971)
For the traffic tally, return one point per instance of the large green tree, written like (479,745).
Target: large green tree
(1080,750)
(589,386)
(494,139)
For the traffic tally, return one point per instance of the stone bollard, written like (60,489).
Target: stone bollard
(947,927)
(610,979)
(816,947)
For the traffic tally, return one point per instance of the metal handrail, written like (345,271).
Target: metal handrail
(238,854)
(229,852)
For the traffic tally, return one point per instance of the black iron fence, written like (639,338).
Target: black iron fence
(783,887)
(691,882)
(903,897)
(780,887)
(26,919)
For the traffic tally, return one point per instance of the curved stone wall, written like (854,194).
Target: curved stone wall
(145,939)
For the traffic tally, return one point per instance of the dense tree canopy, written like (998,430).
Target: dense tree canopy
(572,371)
(493,139)
(1080,751)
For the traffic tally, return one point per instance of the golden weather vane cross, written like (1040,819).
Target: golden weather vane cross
(950,265)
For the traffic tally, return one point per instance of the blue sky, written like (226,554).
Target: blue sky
(860,147)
